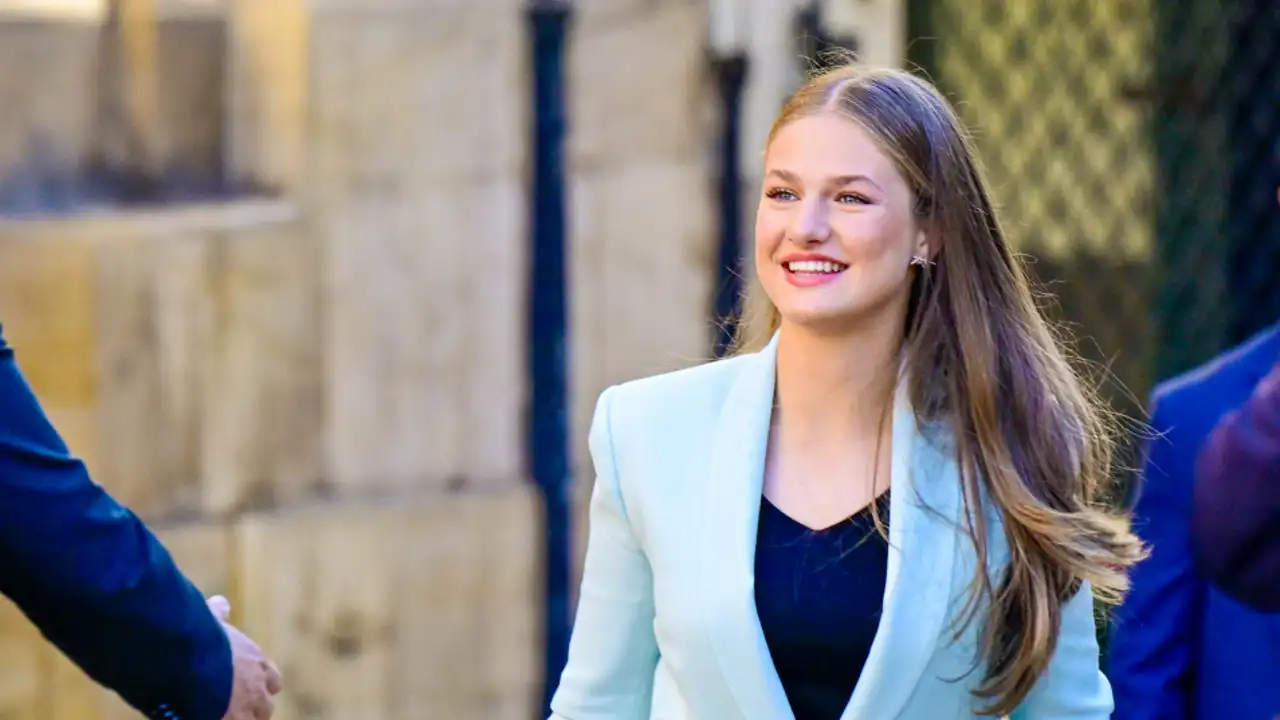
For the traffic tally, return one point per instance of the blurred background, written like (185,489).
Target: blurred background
(325,290)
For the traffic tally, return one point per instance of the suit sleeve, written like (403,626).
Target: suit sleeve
(93,579)
(1237,501)
(1073,687)
(613,652)
(1151,653)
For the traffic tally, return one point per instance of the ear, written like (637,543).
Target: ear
(922,247)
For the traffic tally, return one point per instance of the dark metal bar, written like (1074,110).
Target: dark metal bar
(816,44)
(549,446)
(731,76)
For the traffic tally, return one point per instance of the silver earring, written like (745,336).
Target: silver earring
(920,261)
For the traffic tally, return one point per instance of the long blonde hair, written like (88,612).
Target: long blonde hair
(982,358)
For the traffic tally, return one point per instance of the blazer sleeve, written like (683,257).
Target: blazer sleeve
(93,579)
(613,652)
(1152,649)
(1236,516)
(1073,687)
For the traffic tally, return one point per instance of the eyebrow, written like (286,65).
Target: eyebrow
(837,181)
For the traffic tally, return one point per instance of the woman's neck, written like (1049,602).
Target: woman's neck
(837,387)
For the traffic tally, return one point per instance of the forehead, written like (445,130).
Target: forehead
(828,145)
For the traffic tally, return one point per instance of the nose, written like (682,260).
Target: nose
(810,225)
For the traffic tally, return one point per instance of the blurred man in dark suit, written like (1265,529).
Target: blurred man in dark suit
(1180,648)
(1190,642)
(1236,519)
(102,589)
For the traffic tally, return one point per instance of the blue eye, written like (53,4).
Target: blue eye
(780,194)
(852,197)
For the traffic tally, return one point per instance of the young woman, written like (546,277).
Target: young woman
(894,371)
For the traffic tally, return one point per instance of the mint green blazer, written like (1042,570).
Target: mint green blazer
(666,623)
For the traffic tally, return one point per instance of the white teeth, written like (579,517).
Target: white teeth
(814,266)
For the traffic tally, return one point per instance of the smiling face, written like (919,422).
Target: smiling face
(835,231)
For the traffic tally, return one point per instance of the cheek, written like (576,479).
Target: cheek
(874,240)
(769,231)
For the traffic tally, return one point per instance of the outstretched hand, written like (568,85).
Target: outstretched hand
(257,680)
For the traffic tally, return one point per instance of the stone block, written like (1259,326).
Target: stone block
(428,608)
(54,120)
(425,340)
(21,666)
(261,394)
(372,7)
(640,87)
(179,354)
(267,99)
(407,97)
(643,276)
(49,104)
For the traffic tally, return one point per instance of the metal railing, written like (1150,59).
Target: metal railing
(1132,146)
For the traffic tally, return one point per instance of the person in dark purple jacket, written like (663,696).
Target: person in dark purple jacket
(1236,516)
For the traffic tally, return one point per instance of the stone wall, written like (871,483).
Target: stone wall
(643,213)
(183,354)
(320,401)
(49,89)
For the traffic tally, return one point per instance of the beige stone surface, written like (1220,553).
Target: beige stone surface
(400,7)
(51,100)
(181,360)
(262,404)
(589,15)
(426,608)
(425,378)
(642,277)
(210,343)
(192,78)
(642,204)
(20,665)
(640,86)
(418,135)
(52,103)
(47,309)
(402,99)
(267,100)
(145,431)
(775,72)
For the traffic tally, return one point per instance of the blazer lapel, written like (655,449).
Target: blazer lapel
(925,512)
(924,518)
(727,541)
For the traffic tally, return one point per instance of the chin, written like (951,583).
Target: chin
(835,318)
(819,318)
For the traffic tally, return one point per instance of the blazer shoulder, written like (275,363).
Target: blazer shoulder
(1229,372)
(1190,405)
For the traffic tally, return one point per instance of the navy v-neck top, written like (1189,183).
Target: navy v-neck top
(818,595)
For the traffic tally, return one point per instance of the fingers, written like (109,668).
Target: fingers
(275,683)
(221,607)
(257,678)
(264,709)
